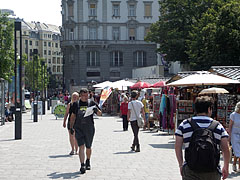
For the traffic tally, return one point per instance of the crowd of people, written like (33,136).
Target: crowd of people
(201,160)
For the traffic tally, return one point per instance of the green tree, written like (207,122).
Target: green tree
(6,47)
(200,33)
(215,39)
(36,75)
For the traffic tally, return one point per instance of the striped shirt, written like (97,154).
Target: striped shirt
(185,130)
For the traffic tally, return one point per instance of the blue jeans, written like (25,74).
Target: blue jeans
(147,117)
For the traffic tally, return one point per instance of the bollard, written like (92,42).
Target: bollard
(48,104)
(43,107)
(35,112)
(18,123)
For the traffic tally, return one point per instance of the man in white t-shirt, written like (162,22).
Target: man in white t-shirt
(135,108)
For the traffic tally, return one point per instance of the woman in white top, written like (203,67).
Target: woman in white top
(234,134)
(135,108)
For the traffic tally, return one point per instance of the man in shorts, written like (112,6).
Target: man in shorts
(84,127)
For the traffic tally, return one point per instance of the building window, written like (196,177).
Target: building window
(116,10)
(148,9)
(54,69)
(70,10)
(71,35)
(49,52)
(132,34)
(31,52)
(147,29)
(49,61)
(36,43)
(132,10)
(58,60)
(140,59)
(92,9)
(54,60)
(116,58)
(26,42)
(45,52)
(58,69)
(56,45)
(114,74)
(30,43)
(116,33)
(93,74)
(45,43)
(93,58)
(49,44)
(92,33)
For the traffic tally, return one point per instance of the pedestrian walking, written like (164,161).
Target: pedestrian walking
(234,135)
(73,142)
(84,127)
(202,137)
(146,110)
(135,109)
(124,112)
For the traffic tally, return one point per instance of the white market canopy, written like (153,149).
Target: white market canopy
(203,79)
(122,84)
(103,84)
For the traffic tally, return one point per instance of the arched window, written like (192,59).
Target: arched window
(93,58)
(116,58)
(140,59)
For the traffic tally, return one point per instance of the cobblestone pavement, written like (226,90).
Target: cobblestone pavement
(43,153)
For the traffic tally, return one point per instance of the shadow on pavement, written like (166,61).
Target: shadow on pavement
(163,146)
(165,134)
(118,131)
(56,175)
(60,156)
(129,152)
(233,174)
(8,140)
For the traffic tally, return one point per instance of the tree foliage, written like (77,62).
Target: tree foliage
(201,33)
(34,78)
(6,47)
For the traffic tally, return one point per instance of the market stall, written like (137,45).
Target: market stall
(192,85)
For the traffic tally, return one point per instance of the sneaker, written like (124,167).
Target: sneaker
(82,169)
(234,167)
(88,167)
(71,153)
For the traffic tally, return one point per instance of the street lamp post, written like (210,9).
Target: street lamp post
(35,104)
(18,105)
(43,87)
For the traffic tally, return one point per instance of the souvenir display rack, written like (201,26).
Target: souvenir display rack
(156,105)
(185,110)
(221,108)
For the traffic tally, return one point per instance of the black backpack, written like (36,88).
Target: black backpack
(203,153)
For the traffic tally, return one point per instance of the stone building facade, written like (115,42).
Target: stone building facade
(104,39)
(46,39)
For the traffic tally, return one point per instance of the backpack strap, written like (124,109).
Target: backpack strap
(193,124)
(213,125)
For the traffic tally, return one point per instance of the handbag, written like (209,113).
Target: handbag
(140,120)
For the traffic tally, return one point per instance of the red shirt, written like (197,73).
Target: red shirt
(124,108)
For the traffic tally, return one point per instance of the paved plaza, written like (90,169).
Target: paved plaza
(43,153)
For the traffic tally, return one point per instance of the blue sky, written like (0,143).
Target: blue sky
(44,11)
